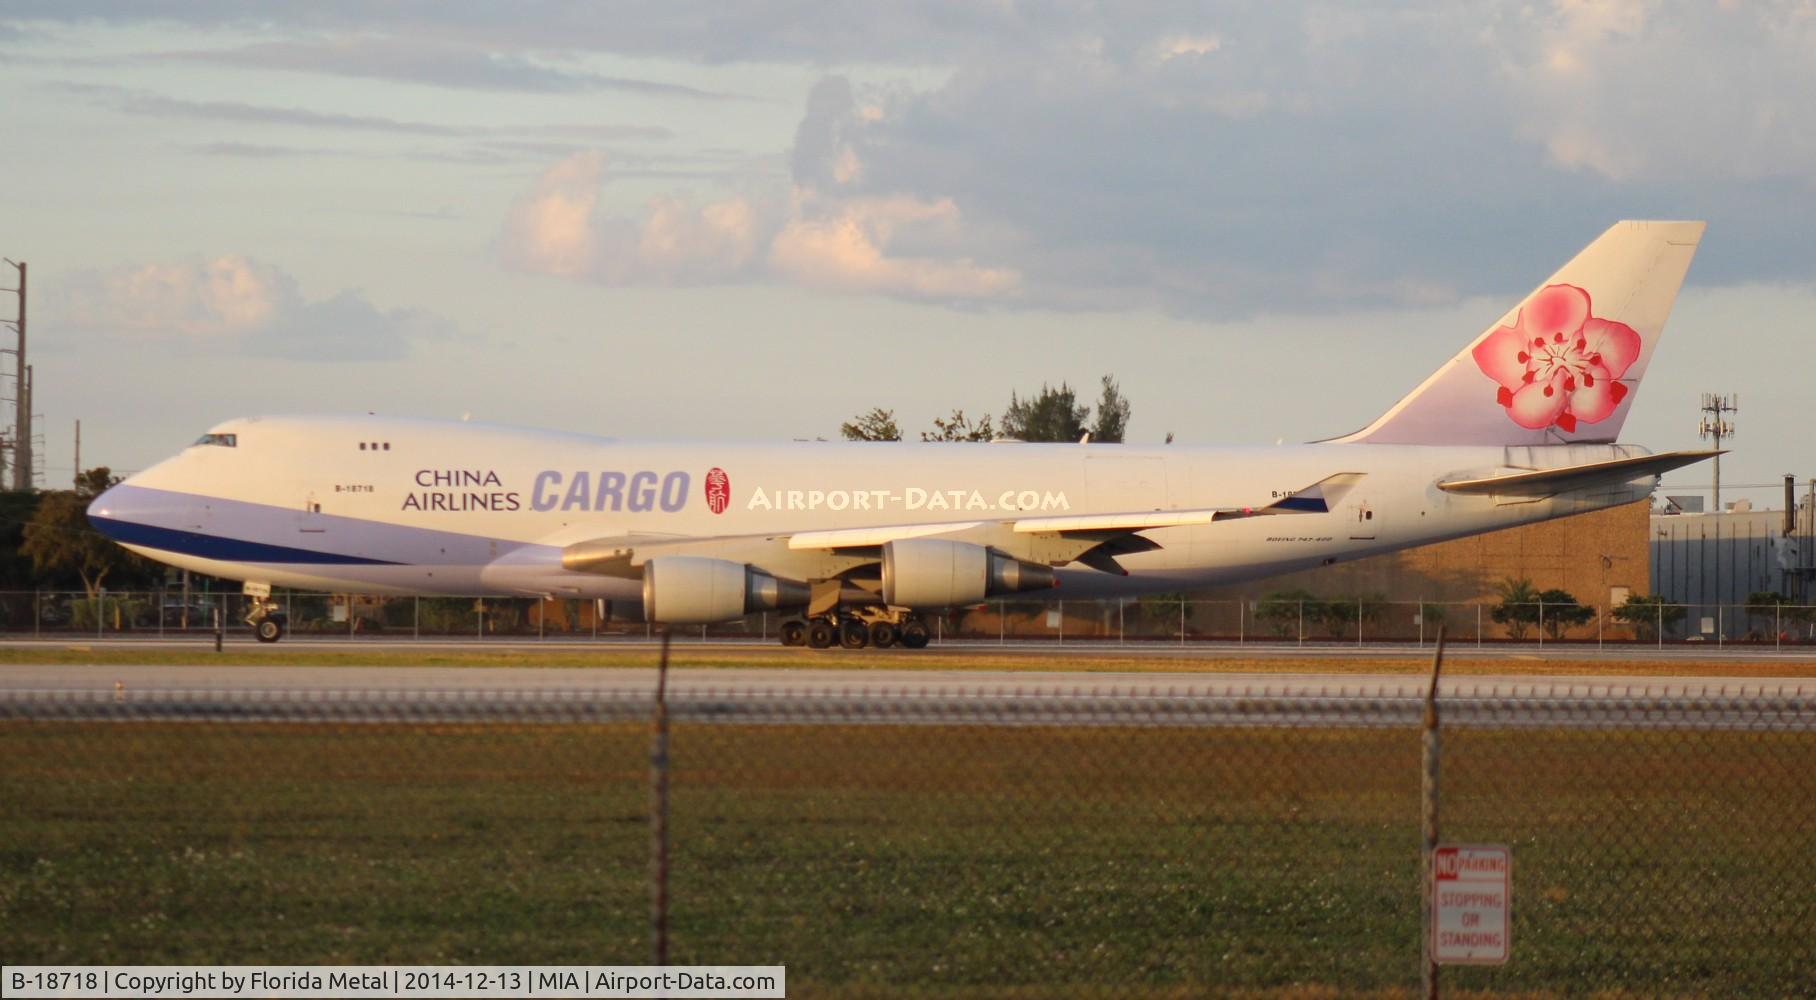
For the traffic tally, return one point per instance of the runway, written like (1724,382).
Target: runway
(1613,653)
(783,696)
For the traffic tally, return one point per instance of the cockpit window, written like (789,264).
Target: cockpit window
(223,440)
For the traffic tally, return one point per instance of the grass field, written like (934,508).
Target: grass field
(1458,660)
(964,860)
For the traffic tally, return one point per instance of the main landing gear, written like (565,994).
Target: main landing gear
(268,620)
(858,628)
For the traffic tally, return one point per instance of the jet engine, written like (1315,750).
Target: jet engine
(692,590)
(936,573)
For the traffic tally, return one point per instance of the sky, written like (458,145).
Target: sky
(752,221)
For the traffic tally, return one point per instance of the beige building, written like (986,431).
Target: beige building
(1599,558)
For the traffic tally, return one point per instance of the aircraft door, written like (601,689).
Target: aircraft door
(1361,519)
(309,520)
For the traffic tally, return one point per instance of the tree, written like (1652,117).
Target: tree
(1561,611)
(1284,611)
(1051,415)
(16,510)
(960,428)
(1054,415)
(1519,607)
(1112,414)
(59,538)
(1645,614)
(877,425)
(1778,609)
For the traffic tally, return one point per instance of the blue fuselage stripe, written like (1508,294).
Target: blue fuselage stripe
(194,543)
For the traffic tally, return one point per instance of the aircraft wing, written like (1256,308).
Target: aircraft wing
(1318,498)
(1545,482)
(1092,539)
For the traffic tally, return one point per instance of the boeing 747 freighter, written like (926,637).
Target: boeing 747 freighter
(857,542)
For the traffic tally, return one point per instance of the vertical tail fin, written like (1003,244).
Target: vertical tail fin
(1564,364)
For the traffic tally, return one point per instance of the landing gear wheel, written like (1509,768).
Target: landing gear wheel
(853,634)
(269,630)
(794,633)
(820,634)
(882,635)
(915,635)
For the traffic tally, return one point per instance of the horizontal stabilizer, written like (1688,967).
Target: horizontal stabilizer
(1545,482)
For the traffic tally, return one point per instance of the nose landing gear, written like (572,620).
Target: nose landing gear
(268,621)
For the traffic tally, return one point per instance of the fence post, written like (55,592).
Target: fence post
(160,611)
(1661,624)
(658,812)
(1182,621)
(1428,795)
(1478,626)
(416,618)
(1358,622)
(1778,628)
(1062,621)
(37,612)
(1421,614)
(1302,622)
(1002,623)
(1721,626)
(1120,601)
(1541,624)
(218,628)
(1241,624)
(1598,626)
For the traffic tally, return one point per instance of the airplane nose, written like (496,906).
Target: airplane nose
(106,511)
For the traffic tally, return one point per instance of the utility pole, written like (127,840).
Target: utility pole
(22,421)
(1714,424)
(78,449)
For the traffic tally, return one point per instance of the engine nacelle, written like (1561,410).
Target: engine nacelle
(937,573)
(692,590)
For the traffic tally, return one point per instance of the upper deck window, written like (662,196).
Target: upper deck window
(223,440)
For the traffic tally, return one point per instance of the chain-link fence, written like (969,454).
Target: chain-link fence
(1267,620)
(945,842)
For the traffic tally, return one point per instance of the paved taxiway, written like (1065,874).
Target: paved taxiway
(547,694)
(1614,654)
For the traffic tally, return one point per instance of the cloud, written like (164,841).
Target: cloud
(253,151)
(1630,90)
(1204,160)
(435,63)
(234,303)
(142,103)
(846,249)
(816,241)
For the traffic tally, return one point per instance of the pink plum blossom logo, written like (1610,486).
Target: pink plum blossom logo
(1558,363)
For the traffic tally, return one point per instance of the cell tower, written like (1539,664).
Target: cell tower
(21,440)
(1715,424)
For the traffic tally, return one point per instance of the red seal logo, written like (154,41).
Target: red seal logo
(718,490)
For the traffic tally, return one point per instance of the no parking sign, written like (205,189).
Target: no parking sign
(1469,902)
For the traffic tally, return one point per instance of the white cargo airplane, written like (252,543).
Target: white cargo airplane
(860,540)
